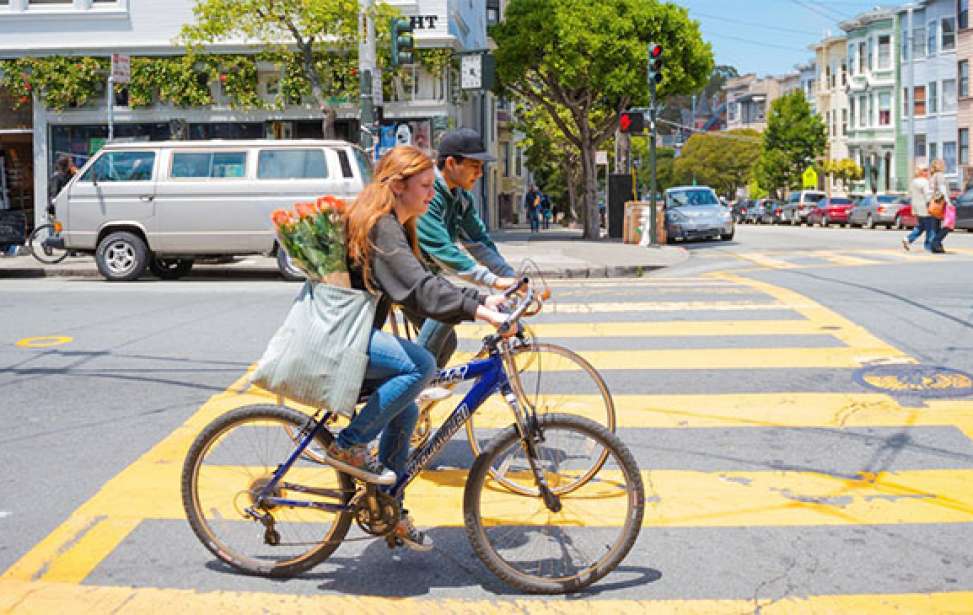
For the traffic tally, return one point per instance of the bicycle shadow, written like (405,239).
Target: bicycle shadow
(371,569)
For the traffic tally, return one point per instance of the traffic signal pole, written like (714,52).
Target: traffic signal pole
(366,72)
(653,216)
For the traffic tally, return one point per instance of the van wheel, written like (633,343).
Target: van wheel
(170,268)
(287,269)
(726,236)
(122,257)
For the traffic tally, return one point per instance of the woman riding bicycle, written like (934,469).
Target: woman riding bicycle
(383,257)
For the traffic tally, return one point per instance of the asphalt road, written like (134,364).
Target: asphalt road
(787,470)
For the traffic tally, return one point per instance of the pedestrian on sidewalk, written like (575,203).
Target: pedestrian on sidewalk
(546,213)
(64,170)
(921,192)
(940,189)
(532,205)
(452,219)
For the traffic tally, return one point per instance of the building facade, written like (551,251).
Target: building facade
(420,108)
(927,33)
(964,112)
(832,98)
(748,100)
(872,88)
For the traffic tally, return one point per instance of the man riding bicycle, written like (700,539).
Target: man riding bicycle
(452,219)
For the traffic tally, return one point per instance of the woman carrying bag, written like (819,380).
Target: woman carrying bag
(383,258)
(941,209)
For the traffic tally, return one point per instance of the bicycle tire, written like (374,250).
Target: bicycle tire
(35,244)
(196,510)
(602,405)
(602,499)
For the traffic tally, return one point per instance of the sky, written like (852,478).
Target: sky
(769,37)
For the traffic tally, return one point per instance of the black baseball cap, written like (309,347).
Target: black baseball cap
(464,143)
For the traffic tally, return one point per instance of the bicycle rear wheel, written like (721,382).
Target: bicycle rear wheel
(521,540)
(45,254)
(554,380)
(231,461)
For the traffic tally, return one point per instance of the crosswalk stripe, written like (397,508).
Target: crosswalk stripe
(688,328)
(19,597)
(765,260)
(845,259)
(730,358)
(596,308)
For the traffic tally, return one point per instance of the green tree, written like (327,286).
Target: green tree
(310,27)
(585,62)
(794,139)
(664,164)
(551,158)
(722,160)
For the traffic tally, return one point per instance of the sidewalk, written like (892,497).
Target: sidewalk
(558,253)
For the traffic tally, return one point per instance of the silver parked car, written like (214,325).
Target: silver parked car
(877,210)
(694,212)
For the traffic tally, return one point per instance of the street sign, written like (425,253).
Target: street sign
(601,157)
(809,178)
(121,68)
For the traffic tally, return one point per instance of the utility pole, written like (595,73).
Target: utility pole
(909,98)
(654,75)
(366,74)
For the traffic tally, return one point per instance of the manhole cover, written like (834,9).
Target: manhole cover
(916,380)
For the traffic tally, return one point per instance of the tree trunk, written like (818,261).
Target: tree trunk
(328,114)
(592,229)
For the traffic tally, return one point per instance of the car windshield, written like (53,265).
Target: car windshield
(888,198)
(840,201)
(699,196)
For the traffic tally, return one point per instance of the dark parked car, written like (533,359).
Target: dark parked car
(772,211)
(755,212)
(831,211)
(876,210)
(964,210)
(740,210)
(799,204)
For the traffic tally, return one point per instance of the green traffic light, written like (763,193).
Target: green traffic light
(402,41)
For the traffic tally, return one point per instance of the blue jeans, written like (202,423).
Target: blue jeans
(535,222)
(401,370)
(927,225)
(439,339)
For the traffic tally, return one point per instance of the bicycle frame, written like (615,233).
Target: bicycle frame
(490,376)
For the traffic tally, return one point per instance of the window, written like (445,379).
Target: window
(933,98)
(828,77)
(948,25)
(949,156)
(884,109)
(833,120)
(964,146)
(919,146)
(862,112)
(931,38)
(121,167)
(209,164)
(364,166)
(844,122)
(851,58)
(905,102)
(871,51)
(949,95)
(884,52)
(932,148)
(904,39)
(963,13)
(345,164)
(964,78)
(520,162)
(507,158)
(493,11)
(919,100)
(861,58)
(844,74)
(918,42)
(291,164)
(851,111)
(871,110)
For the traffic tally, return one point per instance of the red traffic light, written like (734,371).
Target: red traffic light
(655,51)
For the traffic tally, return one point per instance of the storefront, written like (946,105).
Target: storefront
(16,159)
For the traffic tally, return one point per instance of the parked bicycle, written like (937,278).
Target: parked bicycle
(260,498)
(41,248)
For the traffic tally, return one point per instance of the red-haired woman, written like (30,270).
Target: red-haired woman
(383,257)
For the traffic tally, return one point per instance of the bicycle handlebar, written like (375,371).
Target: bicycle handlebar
(529,298)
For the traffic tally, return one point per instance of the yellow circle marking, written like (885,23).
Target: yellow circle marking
(44,342)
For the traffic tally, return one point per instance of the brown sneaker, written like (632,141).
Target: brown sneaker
(411,537)
(358,461)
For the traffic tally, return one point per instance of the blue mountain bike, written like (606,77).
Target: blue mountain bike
(259,496)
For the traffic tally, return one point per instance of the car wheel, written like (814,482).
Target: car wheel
(726,236)
(122,257)
(288,270)
(869,222)
(170,268)
(825,223)
(897,225)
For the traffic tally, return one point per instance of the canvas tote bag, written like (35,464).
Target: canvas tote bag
(319,355)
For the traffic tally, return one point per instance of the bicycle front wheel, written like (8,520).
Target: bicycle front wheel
(554,380)
(229,464)
(45,254)
(540,548)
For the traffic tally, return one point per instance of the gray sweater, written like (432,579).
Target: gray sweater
(404,280)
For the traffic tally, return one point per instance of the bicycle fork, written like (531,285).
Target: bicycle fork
(530,436)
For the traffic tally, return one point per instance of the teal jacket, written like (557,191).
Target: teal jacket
(452,218)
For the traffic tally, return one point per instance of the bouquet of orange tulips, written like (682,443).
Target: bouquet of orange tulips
(313,234)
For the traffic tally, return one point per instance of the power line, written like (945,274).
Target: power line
(715,133)
(758,43)
(819,10)
(754,24)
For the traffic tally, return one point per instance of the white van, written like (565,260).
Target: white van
(159,205)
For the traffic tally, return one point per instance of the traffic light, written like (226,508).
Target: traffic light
(632,122)
(402,42)
(655,63)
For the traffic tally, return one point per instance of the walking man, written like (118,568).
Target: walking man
(921,192)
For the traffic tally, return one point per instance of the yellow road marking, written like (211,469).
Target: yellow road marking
(43,598)
(689,328)
(732,358)
(846,259)
(595,308)
(45,341)
(764,260)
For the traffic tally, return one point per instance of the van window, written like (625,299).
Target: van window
(291,164)
(209,164)
(794,197)
(364,166)
(345,163)
(121,167)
